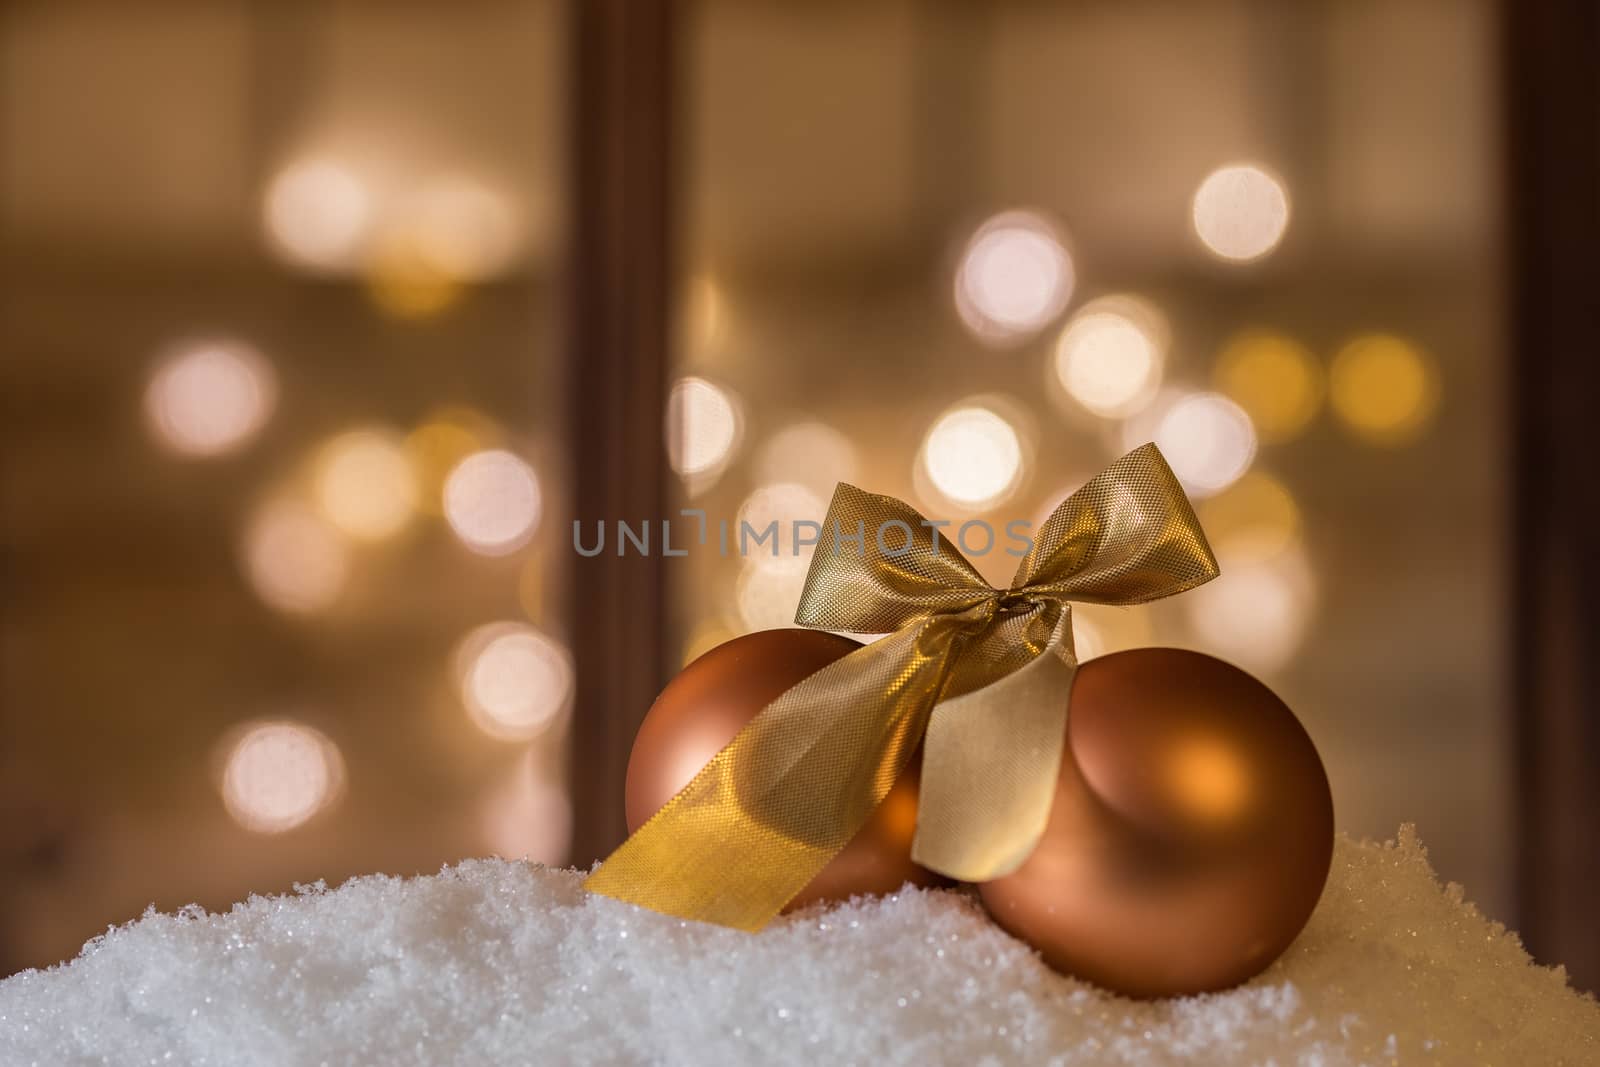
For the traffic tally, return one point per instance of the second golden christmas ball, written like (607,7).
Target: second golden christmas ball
(1191,832)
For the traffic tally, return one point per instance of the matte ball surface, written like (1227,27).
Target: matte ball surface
(1191,833)
(701,710)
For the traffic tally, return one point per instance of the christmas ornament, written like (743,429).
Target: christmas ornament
(977,677)
(706,706)
(1190,834)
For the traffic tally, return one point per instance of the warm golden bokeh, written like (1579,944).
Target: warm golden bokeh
(1274,378)
(1384,389)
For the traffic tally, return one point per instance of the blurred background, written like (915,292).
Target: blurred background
(307,373)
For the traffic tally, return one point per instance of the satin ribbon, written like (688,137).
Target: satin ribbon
(980,677)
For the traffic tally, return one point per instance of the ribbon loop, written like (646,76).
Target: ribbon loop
(980,677)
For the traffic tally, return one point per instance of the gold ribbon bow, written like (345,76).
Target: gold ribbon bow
(979,676)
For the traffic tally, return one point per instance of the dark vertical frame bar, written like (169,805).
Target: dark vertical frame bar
(1552,67)
(619,321)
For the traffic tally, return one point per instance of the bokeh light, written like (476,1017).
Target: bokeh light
(1087,640)
(705,316)
(317,213)
(210,398)
(1257,612)
(1013,279)
(526,815)
(493,502)
(276,775)
(784,504)
(1110,355)
(812,454)
(434,449)
(1384,389)
(1241,212)
(704,638)
(463,229)
(972,456)
(514,680)
(1255,518)
(1100,629)
(365,485)
(1274,379)
(405,281)
(1208,441)
(703,426)
(768,594)
(294,559)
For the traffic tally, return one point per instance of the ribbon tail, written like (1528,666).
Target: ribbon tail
(792,788)
(990,761)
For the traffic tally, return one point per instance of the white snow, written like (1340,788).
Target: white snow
(494,962)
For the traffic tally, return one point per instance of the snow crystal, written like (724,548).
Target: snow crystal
(493,962)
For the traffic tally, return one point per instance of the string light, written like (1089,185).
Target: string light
(295,561)
(1383,389)
(277,775)
(1109,357)
(1258,611)
(1241,212)
(438,446)
(1208,440)
(1274,379)
(210,398)
(525,815)
(1255,517)
(514,680)
(703,427)
(972,456)
(405,281)
(493,502)
(365,485)
(768,595)
(316,214)
(812,454)
(463,229)
(782,506)
(1014,278)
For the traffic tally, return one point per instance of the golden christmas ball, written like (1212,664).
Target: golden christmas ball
(1191,834)
(701,710)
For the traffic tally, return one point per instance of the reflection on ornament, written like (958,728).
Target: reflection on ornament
(1274,379)
(1384,389)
